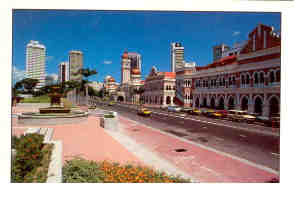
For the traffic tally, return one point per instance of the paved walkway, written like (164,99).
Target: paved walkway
(85,139)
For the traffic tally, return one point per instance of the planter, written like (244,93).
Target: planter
(109,121)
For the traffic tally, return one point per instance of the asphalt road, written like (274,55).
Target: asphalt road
(231,137)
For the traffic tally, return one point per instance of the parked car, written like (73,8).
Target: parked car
(111,103)
(186,109)
(216,114)
(173,109)
(272,121)
(207,112)
(223,113)
(196,112)
(240,116)
(163,107)
(144,112)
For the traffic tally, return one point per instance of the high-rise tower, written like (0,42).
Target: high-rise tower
(35,62)
(75,64)
(64,72)
(177,56)
(126,67)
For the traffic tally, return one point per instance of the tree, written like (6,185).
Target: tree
(27,84)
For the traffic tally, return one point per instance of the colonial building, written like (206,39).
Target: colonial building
(248,81)
(159,88)
(110,85)
(130,77)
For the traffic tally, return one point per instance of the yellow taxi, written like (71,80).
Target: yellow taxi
(196,112)
(144,112)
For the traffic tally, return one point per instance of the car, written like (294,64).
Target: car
(240,116)
(223,113)
(144,112)
(111,103)
(196,112)
(186,110)
(173,109)
(208,112)
(272,121)
(217,115)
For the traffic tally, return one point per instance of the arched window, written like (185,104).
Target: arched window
(261,77)
(255,78)
(272,77)
(234,81)
(278,76)
(247,79)
(223,82)
(243,79)
(229,81)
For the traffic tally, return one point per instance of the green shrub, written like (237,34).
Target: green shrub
(28,155)
(79,170)
(14,141)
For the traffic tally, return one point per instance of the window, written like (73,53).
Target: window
(234,81)
(243,79)
(255,78)
(229,81)
(272,77)
(247,79)
(278,76)
(261,77)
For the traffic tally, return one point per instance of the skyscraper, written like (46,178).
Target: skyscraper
(64,72)
(126,68)
(35,62)
(219,50)
(75,64)
(177,56)
(135,59)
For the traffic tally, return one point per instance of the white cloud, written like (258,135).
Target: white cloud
(236,33)
(17,74)
(107,62)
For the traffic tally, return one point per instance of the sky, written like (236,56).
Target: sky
(103,36)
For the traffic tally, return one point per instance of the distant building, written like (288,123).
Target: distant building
(64,72)
(75,64)
(35,62)
(130,76)
(233,51)
(159,88)
(135,60)
(219,50)
(177,56)
(249,80)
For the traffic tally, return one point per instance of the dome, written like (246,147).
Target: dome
(111,79)
(125,55)
(135,71)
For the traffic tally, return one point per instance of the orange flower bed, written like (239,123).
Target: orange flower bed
(116,173)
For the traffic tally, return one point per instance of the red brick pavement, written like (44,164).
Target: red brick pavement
(86,139)
(203,164)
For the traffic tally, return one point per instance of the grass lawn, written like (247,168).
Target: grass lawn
(39,99)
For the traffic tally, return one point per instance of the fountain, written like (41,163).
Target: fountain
(53,115)
(55,106)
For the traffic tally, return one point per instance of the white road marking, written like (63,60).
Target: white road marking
(245,161)
(218,138)
(243,135)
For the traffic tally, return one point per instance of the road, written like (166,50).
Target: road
(238,139)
